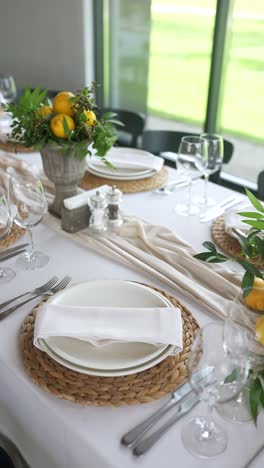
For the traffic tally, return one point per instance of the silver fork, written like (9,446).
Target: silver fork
(50,292)
(39,290)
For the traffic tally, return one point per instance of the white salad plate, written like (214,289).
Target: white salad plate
(120,358)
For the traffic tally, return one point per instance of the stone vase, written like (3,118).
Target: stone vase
(65,170)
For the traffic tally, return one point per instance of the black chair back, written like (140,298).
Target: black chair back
(134,123)
(260,192)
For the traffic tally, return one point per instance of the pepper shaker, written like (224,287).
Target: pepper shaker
(98,206)
(114,197)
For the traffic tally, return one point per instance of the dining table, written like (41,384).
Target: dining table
(54,433)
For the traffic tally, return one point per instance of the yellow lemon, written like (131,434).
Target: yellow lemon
(260,329)
(255,299)
(62,104)
(56,125)
(44,112)
(90,118)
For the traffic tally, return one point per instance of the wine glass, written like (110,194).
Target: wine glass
(191,148)
(210,164)
(8,88)
(29,204)
(6,274)
(202,435)
(238,409)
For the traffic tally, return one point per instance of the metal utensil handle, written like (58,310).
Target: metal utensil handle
(5,252)
(7,312)
(132,436)
(11,255)
(148,442)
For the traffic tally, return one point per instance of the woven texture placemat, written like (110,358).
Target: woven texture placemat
(141,387)
(90,181)
(229,245)
(15,234)
(15,147)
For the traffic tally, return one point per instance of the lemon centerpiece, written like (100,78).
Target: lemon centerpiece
(63,131)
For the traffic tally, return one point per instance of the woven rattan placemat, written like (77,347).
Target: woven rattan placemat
(141,387)
(229,245)
(14,147)
(15,234)
(90,181)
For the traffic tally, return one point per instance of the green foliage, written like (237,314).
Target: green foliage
(32,129)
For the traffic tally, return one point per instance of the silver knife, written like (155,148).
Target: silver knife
(11,255)
(213,213)
(132,436)
(5,252)
(188,403)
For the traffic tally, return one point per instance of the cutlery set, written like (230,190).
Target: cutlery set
(220,208)
(183,398)
(12,252)
(48,289)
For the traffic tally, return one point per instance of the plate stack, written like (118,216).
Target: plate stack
(119,358)
(128,164)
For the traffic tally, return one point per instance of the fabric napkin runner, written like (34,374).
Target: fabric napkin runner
(157,251)
(129,158)
(101,326)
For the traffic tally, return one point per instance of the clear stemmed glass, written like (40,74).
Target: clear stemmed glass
(6,274)
(210,164)
(8,88)
(238,409)
(202,435)
(29,204)
(191,148)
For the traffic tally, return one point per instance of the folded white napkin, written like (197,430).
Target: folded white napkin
(234,221)
(129,158)
(101,326)
(82,198)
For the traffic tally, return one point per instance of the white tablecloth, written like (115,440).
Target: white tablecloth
(57,434)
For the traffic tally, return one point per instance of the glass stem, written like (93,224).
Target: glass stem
(31,245)
(208,425)
(206,178)
(189,195)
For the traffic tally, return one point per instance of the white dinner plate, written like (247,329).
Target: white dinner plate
(106,372)
(121,171)
(114,174)
(116,356)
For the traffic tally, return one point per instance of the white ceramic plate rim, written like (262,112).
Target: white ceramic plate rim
(100,284)
(141,175)
(107,373)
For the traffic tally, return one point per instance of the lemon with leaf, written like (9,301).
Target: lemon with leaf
(62,103)
(57,125)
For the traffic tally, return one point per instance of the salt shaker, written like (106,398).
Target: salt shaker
(114,197)
(98,205)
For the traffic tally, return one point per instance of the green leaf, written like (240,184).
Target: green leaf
(210,246)
(109,115)
(256,224)
(66,128)
(251,268)
(247,283)
(247,249)
(251,214)
(255,202)
(255,392)
(252,233)
(262,398)
(232,377)
(260,246)
(210,257)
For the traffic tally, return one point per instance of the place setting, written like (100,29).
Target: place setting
(133,170)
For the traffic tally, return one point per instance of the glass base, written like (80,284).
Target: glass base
(6,275)
(184,210)
(32,262)
(236,410)
(210,445)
